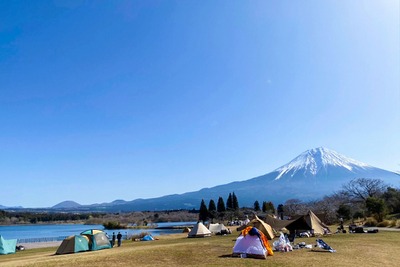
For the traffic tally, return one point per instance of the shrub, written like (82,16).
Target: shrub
(370,222)
(384,223)
(113,225)
(393,223)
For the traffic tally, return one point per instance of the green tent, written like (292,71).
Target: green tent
(97,239)
(7,246)
(73,244)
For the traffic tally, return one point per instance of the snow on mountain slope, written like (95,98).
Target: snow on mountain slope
(312,161)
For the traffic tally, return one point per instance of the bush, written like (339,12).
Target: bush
(393,223)
(358,215)
(370,222)
(113,225)
(384,223)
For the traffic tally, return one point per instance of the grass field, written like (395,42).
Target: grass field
(380,249)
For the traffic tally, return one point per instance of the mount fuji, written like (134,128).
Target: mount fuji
(312,175)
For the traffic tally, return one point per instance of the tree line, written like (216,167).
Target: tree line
(230,210)
(7,217)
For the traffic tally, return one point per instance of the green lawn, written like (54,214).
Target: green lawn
(381,249)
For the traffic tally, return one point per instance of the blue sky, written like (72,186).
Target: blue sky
(105,100)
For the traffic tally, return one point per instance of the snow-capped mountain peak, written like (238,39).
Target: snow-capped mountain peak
(312,161)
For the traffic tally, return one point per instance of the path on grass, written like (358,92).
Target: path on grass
(385,229)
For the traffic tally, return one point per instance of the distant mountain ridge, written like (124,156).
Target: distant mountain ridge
(310,176)
(68,204)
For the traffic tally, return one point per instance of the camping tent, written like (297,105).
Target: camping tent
(276,224)
(147,238)
(199,230)
(252,243)
(7,246)
(97,239)
(264,227)
(308,222)
(73,244)
(218,229)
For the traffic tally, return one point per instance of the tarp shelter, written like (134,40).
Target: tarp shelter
(7,246)
(97,239)
(308,222)
(252,243)
(199,230)
(264,227)
(218,229)
(73,244)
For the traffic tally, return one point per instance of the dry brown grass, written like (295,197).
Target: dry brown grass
(379,249)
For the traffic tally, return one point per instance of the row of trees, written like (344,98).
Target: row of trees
(231,209)
(7,217)
(220,210)
(267,207)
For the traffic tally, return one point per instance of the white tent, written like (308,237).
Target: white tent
(218,228)
(199,230)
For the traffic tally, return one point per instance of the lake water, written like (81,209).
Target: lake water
(50,232)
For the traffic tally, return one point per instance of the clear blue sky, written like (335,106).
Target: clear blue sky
(105,100)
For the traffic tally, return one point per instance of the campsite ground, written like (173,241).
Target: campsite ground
(380,249)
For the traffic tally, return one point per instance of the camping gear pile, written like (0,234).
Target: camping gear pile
(88,240)
(360,230)
(283,244)
(7,246)
(321,244)
(252,243)
(302,245)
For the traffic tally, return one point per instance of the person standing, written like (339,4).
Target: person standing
(341,224)
(113,240)
(119,238)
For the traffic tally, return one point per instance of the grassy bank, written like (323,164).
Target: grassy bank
(379,249)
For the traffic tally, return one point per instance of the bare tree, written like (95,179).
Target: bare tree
(361,188)
(293,206)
